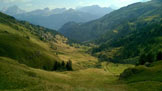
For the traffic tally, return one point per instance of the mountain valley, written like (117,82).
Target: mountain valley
(121,51)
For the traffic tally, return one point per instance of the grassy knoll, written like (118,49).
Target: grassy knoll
(144,78)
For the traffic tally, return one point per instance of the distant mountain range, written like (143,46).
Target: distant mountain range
(14,10)
(111,24)
(124,34)
(96,10)
(55,18)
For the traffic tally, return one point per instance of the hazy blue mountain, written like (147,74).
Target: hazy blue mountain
(14,10)
(55,18)
(58,10)
(96,10)
(45,12)
(55,21)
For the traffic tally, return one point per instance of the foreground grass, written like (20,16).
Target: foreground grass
(18,77)
(144,78)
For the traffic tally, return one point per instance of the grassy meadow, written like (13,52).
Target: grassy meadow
(18,77)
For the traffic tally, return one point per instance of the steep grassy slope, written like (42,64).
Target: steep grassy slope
(14,76)
(26,43)
(115,24)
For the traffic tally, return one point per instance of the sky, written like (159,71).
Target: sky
(29,5)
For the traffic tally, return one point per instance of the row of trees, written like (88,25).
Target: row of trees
(150,57)
(62,66)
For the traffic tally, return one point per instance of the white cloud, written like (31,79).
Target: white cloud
(11,1)
(37,4)
(121,3)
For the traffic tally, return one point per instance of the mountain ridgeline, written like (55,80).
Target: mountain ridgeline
(55,18)
(113,22)
(124,34)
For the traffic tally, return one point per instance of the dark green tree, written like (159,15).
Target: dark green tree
(63,65)
(142,59)
(55,67)
(69,65)
(150,57)
(159,56)
(59,66)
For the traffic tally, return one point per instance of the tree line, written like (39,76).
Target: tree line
(149,58)
(63,66)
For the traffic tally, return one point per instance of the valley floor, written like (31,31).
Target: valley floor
(18,77)
(88,75)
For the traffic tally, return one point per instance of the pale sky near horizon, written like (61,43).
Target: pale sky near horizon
(39,4)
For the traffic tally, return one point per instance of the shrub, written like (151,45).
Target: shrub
(150,57)
(128,72)
(159,56)
(27,37)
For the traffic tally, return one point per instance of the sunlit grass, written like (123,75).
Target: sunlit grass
(21,77)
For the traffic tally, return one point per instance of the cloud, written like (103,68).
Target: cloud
(37,4)
(121,3)
(11,1)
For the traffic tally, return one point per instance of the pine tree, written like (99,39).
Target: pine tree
(58,66)
(55,67)
(63,65)
(69,65)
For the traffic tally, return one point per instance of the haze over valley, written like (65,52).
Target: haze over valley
(56,18)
